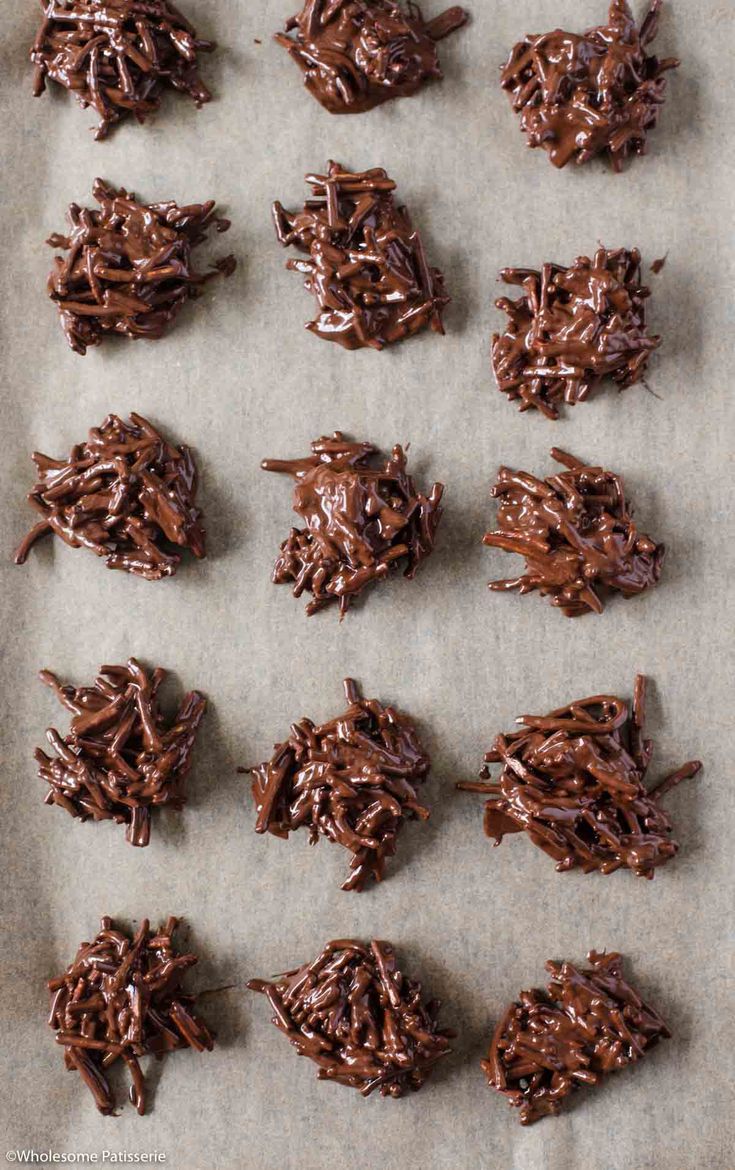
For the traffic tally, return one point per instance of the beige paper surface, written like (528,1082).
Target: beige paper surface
(240,379)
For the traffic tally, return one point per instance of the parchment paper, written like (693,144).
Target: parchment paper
(240,379)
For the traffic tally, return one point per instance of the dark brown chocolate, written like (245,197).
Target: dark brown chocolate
(355,1014)
(121,999)
(367,267)
(126,494)
(360,520)
(118,56)
(577,535)
(122,757)
(587,1023)
(129,267)
(352,780)
(571,328)
(574,781)
(598,93)
(356,54)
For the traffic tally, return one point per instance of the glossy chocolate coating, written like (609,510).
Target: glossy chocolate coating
(121,999)
(587,1023)
(359,521)
(118,56)
(571,328)
(598,93)
(355,1014)
(574,781)
(352,780)
(356,54)
(128,269)
(126,494)
(366,266)
(122,757)
(576,533)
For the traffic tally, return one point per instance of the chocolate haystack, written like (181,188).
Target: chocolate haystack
(118,56)
(352,780)
(356,54)
(129,266)
(359,521)
(574,781)
(367,268)
(122,757)
(576,534)
(359,1018)
(121,999)
(126,495)
(595,94)
(571,328)
(587,1023)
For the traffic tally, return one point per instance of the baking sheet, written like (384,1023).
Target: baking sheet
(240,379)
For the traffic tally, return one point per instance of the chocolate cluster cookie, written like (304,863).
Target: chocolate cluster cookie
(122,757)
(572,328)
(587,1023)
(357,54)
(576,532)
(361,518)
(366,265)
(126,494)
(353,780)
(594,93)
(127,270)
(118,56)
(121,999)
(359,1018)
(573,780)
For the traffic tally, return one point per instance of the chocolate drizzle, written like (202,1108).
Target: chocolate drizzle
(587,1023)
(129,266)
(352,780)
(118,56)
(577,535)
(121,999)
(360,521)
(571,328)
(126,495)
(574,781)
(356,54)
(367,267)
(355,1014)
(595,94)
(122,758)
